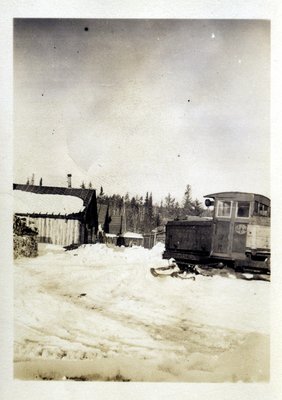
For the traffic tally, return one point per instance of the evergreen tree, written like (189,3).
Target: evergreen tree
(134,214)
(120,203)
(169,206)
(177,211)
(126,199)
(158,220)
(82,185)
(188,206)
(146,201)
(198,208)
(150,212)
(146,222)
(40,182)
(90,185)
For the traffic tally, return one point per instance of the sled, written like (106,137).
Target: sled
(204,270)
(173,272)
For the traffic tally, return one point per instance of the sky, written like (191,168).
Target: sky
(143,105)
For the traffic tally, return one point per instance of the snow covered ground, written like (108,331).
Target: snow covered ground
(97,313)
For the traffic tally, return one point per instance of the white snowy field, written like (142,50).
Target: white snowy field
(97,313)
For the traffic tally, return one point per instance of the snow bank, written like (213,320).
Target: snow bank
(102,304)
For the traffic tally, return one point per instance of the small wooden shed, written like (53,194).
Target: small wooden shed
(130,239)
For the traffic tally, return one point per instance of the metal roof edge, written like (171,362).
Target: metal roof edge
(234,194)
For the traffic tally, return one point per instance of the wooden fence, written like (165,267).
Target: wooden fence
(151,239)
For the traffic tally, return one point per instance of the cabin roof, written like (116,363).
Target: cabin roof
(102,212)
(84,194)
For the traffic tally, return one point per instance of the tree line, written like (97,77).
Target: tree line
(142,215)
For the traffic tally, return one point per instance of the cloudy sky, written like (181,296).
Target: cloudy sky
(143,105)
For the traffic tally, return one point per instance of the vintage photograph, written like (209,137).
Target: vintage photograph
(141,200)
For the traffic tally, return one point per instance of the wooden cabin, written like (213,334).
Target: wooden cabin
(62,216)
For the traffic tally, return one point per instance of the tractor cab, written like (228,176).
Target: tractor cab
(238,219)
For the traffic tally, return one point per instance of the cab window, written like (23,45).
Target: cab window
(243,209)
(224,208)
(261,209)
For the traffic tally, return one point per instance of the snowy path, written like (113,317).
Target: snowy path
(98,313)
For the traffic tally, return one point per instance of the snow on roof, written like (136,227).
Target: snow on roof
(32,203)
(132,235)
